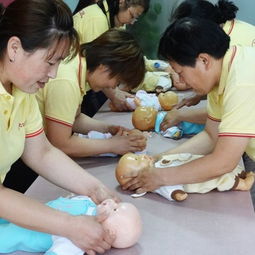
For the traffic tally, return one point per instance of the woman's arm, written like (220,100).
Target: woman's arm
(202,143)
(61,136)
(83,124)
(58,168)
(222,156)
(84,231)
(174,117)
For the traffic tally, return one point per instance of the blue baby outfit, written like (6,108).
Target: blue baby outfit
(14,238)
(183,129)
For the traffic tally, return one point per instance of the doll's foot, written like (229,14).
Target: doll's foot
(245,183)
(179,195)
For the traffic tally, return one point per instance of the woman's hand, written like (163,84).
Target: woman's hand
(87,233)
(100,192)
(178,83)
(122,144)
(145,180)
(170,120)
(189,101)
(117,130)
(119,101)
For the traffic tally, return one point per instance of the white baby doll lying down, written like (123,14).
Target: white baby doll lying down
(121,219)
(164,101)
(131,163)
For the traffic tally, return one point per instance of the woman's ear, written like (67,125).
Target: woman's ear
(103,68)
(205,59)
(13,48)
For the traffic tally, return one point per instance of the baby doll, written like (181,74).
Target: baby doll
(154,80)
(147,119)
(131,163)
(122,214)
(163,101)
(99,135)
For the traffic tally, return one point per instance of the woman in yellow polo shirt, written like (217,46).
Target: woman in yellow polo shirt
(95,19)
(112,58)
(241,33)
(34,36)
(199,52)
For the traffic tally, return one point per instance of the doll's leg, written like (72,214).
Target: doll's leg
(77,205)
(172,193)
(179,195)
(63,246)
(245,183)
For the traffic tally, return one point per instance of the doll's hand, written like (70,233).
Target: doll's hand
(87,233)
(171,119)
(189,101)
(145,180)
(100,193)
(131,143)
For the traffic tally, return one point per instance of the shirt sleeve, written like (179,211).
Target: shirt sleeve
(33,125)
(89,28)
(62,101)
(238,113)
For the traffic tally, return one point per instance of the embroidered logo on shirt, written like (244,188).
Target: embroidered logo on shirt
(21,125)
(82,13)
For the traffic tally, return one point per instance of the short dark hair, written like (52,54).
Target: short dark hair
(37,23)
(119,51)
(186,38)
(219,13)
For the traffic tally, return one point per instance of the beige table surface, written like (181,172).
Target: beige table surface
(219,223)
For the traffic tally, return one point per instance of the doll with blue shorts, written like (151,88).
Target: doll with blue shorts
(14,238)
(149,119)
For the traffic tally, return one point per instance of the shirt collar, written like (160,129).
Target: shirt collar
(229,26)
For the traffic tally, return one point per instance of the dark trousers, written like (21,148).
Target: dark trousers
(249,165)
(92,102)
(20,177)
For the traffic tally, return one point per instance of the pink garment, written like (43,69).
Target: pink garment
(6,2)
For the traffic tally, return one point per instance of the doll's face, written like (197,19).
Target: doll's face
(131,163)
(143,118)
(167,100)
(123,220)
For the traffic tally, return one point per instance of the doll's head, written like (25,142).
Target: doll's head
(167,100)
(131,163)
(143,118)
(123,220)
